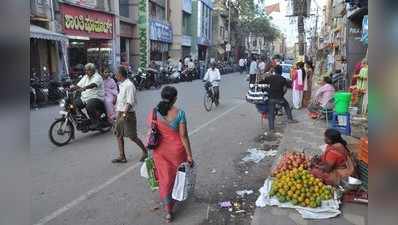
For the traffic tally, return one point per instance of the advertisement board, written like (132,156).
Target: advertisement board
(160,31)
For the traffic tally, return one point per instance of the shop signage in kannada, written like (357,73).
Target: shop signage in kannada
(160,31)
(88,23)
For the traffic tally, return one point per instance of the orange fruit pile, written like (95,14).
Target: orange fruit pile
(300,187)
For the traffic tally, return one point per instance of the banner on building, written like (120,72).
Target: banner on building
(160,31)
(143,32)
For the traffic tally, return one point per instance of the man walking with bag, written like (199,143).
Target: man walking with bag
(126,122)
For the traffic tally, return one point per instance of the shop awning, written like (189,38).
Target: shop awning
(41,33)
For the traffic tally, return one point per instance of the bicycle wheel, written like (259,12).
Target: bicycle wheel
(208,102)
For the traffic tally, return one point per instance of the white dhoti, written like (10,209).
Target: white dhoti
(297,98)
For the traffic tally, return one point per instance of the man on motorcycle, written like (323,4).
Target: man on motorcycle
(278,85)
(92,94)
(214,77)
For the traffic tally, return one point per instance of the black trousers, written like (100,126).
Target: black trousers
(252,79)
(271,110)
(242,69)
(216,92)
(95,107)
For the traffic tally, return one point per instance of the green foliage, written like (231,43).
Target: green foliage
(252,19)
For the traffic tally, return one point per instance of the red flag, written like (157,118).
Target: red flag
(272,8)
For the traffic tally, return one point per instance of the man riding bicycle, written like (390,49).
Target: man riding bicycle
(213,76)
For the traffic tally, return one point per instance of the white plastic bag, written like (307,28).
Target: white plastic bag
(184,183)
(144,171)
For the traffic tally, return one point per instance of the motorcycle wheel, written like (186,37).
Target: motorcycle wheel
(55,130)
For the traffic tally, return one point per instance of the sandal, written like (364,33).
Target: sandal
(119,160)
(169,218)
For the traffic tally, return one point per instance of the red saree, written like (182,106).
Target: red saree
(167,156)
(342,166)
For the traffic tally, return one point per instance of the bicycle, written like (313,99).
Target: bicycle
(209,98)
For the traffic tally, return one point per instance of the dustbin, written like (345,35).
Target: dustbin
(342,101)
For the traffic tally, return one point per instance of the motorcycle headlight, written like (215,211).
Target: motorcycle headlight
(62,103)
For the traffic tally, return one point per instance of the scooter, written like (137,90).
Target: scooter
(62,130)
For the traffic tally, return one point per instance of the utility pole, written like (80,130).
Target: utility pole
(229,29)
(315,41)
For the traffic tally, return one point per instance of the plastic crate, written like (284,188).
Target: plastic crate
(363,173)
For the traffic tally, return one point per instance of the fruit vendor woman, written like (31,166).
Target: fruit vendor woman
(336,162)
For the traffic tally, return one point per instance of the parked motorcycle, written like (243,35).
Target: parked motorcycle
(55,91)
(188,75)
(62,130)
(38,92)
(146,79)
(174,75)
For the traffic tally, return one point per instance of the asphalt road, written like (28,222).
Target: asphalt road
(77,184)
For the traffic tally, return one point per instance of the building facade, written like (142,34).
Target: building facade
(160,30)
(220,31)
(181,21)
(47,47)
(128,33)
(89,26)
(202,29)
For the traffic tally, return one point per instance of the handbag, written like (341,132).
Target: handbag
(154,135)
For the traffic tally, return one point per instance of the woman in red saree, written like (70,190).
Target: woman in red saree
(336,162)
(174,147)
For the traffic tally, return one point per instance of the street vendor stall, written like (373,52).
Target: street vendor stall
(294,184)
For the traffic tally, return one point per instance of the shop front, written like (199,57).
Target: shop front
(161,37)
(47,56)
(90,34)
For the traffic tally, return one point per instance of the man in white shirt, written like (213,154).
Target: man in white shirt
(92,94)
(214,77)
(242,64)
(191,65)
(253,71)
(187,60)
(261,67)
(126,121)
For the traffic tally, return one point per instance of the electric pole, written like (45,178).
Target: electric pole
(229,29)
(315,41)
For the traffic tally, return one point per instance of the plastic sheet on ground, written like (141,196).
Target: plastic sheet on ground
(329,209)
(242,193)
(255,155)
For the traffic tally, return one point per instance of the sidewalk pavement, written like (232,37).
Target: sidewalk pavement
(307,135)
